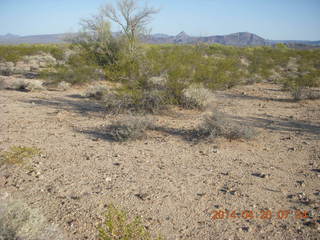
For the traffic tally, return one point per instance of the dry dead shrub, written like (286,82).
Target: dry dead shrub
(147,101)
(196,96)
(35,85)
(218,124)
(19,221)
(97,92)
(130,128)
(26,85)
(2,84)
(63,86)
(19,84)
(302,93)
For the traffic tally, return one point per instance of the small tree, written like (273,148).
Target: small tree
(97,40)
(132,19)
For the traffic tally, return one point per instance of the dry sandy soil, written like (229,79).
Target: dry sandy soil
(175,185)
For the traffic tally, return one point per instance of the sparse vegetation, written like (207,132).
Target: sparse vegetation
(130,128)
(17,155)
(14,53)
(117,225)
(72,73)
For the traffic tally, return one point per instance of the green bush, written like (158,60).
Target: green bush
(17,155)
(118,226)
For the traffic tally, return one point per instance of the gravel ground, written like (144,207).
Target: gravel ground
(179,187)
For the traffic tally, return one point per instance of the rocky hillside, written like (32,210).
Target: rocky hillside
(236,39)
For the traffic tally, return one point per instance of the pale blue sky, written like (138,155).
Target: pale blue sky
(271,19)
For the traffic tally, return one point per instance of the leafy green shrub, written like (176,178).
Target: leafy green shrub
(117,226)
(72,74)
(130,128)
(218,124)
(77,70)
(17,155)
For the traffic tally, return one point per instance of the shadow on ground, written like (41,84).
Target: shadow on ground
(281,125)
(194,136)
(83,107)
(103,133)
(249,97)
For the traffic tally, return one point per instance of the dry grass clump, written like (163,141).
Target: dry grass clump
(26,85)
(19,84)
(63,86)
(3,84)
(130,128)
(196,96)
(218,124)
(19,221)
(302,93)
(136,101)
(117,225)
(35,85)
(97,92)
(17,155)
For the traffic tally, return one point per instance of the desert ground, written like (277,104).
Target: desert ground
(175,185)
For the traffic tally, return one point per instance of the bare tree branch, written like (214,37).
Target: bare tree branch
(132,18)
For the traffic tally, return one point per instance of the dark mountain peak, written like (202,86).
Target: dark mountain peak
(182,35)
(182,38)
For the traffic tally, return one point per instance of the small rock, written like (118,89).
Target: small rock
(260,175)
(301,183)
(108,179)
(245,229)
(141,196)
(201,194)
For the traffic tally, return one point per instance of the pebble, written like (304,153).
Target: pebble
(108,179)
(245,229)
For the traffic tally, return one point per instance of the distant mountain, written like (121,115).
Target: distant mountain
(305,42)
(235,39)
(9,36)
(47,38)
